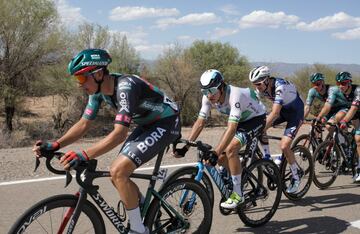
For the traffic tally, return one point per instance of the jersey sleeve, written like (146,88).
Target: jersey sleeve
(127,99)
(92,107)
(235,108)
(332,95)
(310,97)
(356,100)
(279,95)
(205,108)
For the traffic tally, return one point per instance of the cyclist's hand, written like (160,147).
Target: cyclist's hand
(212,158)
(343,124)
(179,153)
(45,147)
(72,159)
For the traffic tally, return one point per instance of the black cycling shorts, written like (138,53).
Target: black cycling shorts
(145,142)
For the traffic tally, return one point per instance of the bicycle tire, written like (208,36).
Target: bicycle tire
(331,167)
(302,155)
(156,212)
(46,207)
(301,138)
(190,172)
(270,175)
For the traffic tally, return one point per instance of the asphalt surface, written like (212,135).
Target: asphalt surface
(334,210)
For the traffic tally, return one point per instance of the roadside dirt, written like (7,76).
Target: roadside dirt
(19,163)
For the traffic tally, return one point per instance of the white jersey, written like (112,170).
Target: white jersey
(240,104)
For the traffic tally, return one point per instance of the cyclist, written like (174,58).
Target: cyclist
(349,94)
(246,120)
(136,100)
(287,107)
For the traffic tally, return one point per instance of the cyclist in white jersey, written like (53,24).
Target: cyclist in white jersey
(287,107)
(247,119)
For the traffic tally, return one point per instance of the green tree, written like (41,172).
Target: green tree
(125,58)
(90,35)
(29,40)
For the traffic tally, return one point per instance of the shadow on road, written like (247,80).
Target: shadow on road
(319,203)
(318,225)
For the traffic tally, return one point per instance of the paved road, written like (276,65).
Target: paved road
(321,211)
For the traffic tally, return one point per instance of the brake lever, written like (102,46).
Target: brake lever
(68,178)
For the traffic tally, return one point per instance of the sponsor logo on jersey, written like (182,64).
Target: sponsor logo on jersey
(123,102)
(237,105)
(88,111)
(124,85)
(123,118)
(151,140)
(152,106)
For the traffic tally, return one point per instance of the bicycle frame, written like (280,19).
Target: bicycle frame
(85,179)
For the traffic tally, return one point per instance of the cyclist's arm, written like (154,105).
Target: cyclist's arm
(275,112)
(325,110)
(197,128)
(351,113)
(117,136)
(75,132)
(226,138)
(306,111)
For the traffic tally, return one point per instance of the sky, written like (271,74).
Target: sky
(291,31)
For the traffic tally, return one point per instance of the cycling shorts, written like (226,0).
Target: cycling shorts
(145,142)
(334,111)
(294,120)
(249,129)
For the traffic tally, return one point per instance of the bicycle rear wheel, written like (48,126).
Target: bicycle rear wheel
(326,164)
(262,193)
(195,210)
(306,169)
(48,216)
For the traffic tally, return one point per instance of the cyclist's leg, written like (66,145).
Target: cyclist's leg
(145,143)
(356,123)
(336,116)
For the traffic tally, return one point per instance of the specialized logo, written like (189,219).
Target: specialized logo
(151,140)
(94,63)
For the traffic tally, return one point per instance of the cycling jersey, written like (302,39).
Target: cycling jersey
(313,93)
(240,104)
(339,98)
(155,114)
(135,99)
(284,93)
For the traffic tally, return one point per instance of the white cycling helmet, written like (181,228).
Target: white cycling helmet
(258,74)
(211,78)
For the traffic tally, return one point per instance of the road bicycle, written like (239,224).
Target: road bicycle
(312,139)
(163,212)
(261,185)
(337,155)
(305,166)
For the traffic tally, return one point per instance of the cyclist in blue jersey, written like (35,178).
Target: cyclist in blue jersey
(287,107)
(246,120)
(349,95)
(137,101)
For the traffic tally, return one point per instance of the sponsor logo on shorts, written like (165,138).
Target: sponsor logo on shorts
(151,140)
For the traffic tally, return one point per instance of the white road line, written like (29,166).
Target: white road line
(62,177)
(356,224)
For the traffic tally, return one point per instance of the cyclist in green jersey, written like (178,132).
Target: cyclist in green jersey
(155,115)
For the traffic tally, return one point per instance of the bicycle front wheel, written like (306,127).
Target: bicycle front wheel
(52,215)
(304,140)
(174,214)
(327,164)
(262,193)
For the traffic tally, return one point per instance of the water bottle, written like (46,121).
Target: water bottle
(223,173)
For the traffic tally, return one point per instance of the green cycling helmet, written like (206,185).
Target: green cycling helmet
(343,76)
(88,60)
(316,77)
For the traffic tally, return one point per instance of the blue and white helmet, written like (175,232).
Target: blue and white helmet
(211,78)
(258,74)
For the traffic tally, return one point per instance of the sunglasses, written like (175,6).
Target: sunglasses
(343,83)
(83,77)
(212,91)
(317,83)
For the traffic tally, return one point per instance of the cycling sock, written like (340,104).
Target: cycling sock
(135,220)
(236,179)
(294,168)
(266,148)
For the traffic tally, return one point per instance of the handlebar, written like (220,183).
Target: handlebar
(49,156)
(203,148)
